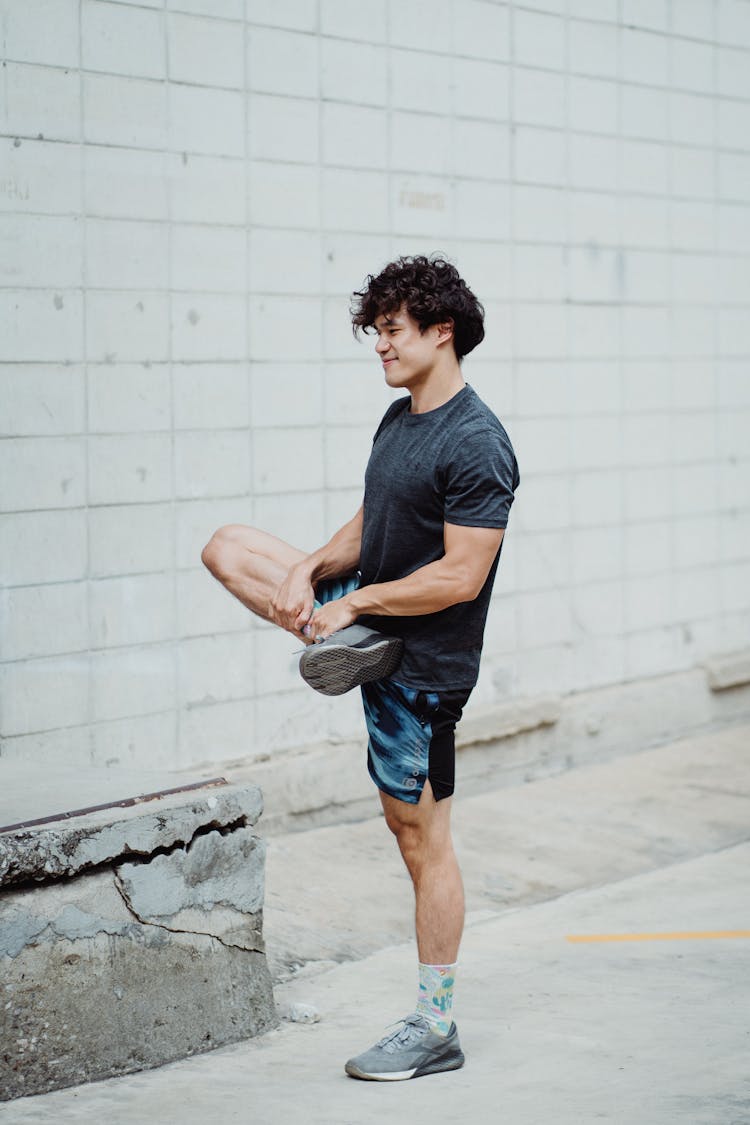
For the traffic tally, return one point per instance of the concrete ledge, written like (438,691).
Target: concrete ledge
(130,937)
(729,670)
(69,846)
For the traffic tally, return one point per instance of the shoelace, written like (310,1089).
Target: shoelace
(412,1028)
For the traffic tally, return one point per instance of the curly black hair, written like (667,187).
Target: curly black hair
(432,292)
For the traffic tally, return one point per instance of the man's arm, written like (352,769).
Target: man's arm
(293,601)
(456,577)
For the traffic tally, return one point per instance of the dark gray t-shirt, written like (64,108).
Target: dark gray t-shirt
(451,465)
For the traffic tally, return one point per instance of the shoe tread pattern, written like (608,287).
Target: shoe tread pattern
(334,671)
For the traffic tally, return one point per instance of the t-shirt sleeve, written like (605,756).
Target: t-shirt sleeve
(481,478)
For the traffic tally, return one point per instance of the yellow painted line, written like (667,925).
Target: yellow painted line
(687,935)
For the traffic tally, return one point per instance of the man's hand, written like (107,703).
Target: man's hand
(330,618)
(292,604)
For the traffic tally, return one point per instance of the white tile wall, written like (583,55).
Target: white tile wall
(218,668)
(223,724)
(128,397)
(206,120)
(42,472)
(129,468)
(39,695)
(538,40)
(42,31)
(482,89)
(211,463)
(352,21)
(122,39)
(284,195)
(37,246)
(732,76)
(481,30)
(47,546)
(203,607)
(205,189)
(42,101)
(28,611)
(692,67)
(205,52)
(131,610)
(289,394)
(353,72)
(210,396)
(145,124)
(125,183)
(41,326)
(190,189)
(128,682)
(130,539)
(43,400)
(693,18)
(208,326)
(127,326)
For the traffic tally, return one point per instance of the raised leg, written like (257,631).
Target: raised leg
(250,563)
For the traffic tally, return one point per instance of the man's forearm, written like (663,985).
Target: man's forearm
(428,590)
(340,555)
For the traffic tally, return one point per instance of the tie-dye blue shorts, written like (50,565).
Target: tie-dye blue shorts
(411,730)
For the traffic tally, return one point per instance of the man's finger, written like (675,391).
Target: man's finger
(304,616)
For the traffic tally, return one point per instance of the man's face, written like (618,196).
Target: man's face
(408,355)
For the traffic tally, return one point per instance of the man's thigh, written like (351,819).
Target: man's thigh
(262,543)
(428,815)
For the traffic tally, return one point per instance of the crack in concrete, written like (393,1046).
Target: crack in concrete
(146,856)
(174,929)
(204,830)
(130,856)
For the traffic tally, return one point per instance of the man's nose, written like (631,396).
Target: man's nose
(381,345)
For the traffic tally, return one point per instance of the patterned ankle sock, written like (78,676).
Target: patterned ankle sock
(435,1000)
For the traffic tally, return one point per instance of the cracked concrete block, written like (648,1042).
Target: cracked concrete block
(71,911)
(143,959)
(213,886)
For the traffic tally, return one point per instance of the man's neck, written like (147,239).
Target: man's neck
(438,388)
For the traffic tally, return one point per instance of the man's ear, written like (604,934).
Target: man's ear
(444,332)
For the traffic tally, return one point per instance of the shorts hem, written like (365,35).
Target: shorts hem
(410,798)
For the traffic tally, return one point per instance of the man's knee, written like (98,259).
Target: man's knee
(421,830)
(410,830)
(398,814)
(222,545)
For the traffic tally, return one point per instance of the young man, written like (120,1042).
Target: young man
(414,570)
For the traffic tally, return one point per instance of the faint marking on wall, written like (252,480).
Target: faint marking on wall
(422,200)
(11,189)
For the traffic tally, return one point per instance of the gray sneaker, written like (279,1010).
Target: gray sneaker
(410,1051)
(351,656)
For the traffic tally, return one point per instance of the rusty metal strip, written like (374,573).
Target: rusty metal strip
(212,783)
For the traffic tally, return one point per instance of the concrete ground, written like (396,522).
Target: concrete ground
(646,1030)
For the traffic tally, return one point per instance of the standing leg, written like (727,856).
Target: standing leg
(251,564)
(424,839)
(426,1042)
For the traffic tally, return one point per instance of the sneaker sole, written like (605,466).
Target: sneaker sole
(336,669)
(454,1062)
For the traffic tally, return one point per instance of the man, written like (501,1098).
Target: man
(397,601)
